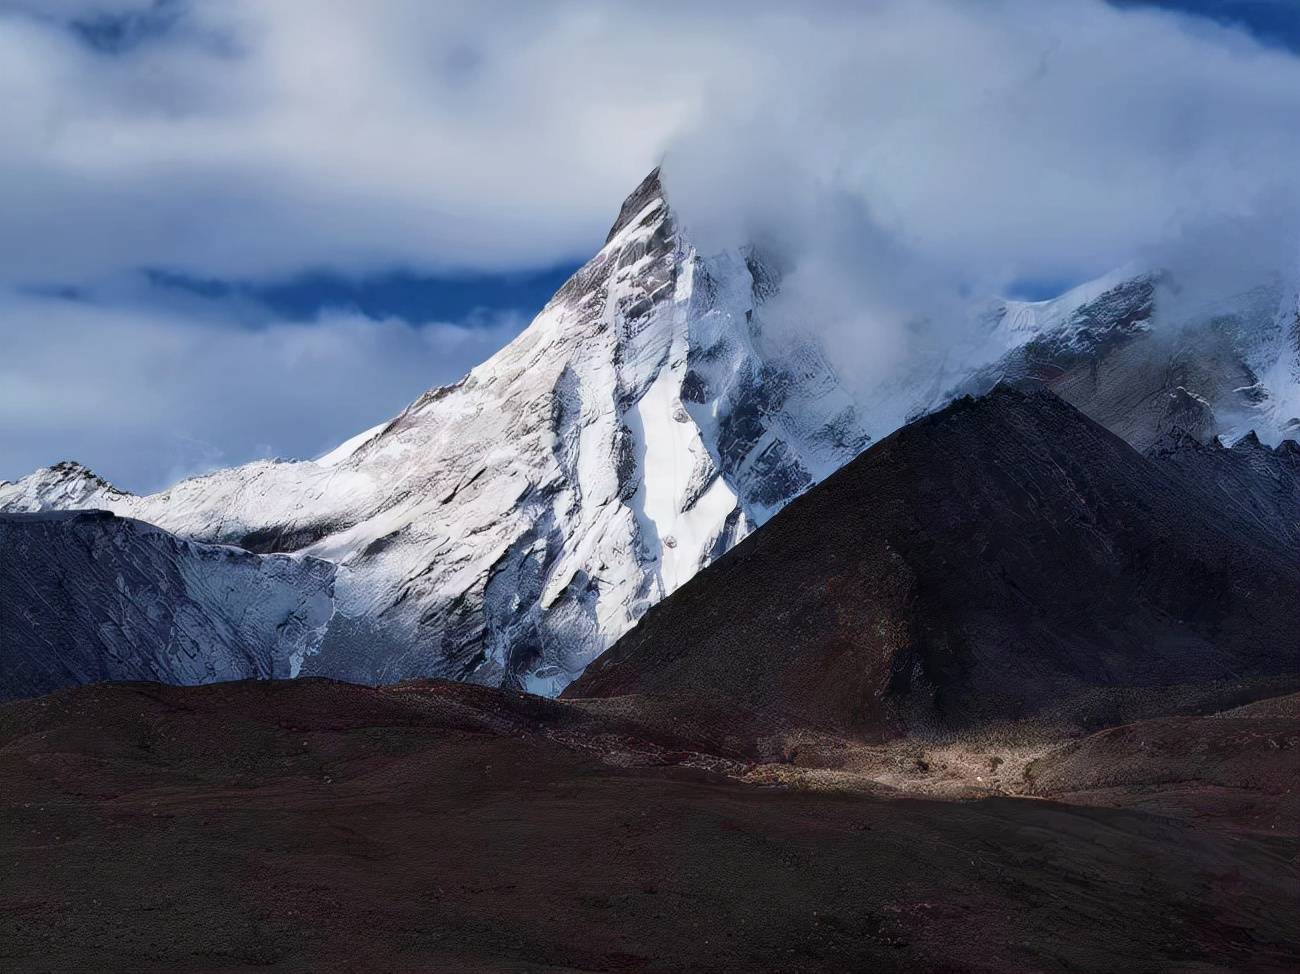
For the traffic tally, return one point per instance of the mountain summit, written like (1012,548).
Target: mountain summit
(507,528)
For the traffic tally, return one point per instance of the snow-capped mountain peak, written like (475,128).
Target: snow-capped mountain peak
(67,484)
(509,527)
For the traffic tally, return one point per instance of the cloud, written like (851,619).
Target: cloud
(1029,137)
(250,139)
(145,397)
(905,159)
(901,158)
(240,140)
(237,138)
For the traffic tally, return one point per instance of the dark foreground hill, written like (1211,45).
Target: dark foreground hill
(859,742)
(307,825)
(1004,560)
(1240,767)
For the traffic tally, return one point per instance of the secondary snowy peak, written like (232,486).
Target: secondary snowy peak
(65,485)
(1131,355)
(87,596)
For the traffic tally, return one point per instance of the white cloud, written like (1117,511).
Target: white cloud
(257,139)
(904,155)
(907,157)
(1005,137)
(145,398)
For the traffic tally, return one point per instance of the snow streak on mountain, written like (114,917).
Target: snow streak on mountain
(508,528)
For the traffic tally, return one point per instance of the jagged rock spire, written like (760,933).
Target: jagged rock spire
(649,190)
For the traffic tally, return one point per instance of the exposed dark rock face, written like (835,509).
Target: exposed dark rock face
(1092,331)
(1140,377)
(1004,559)
(87,596)
(1187,411)
(284,538)
(1258,486)
(649,190)
(1144,386)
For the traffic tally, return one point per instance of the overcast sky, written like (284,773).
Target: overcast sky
(237,228)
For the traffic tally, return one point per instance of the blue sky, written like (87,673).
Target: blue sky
(235,229)
(1275,21)
(410,296)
